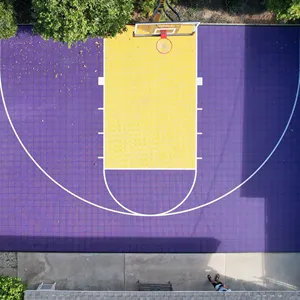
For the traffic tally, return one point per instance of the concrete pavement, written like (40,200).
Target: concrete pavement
(72,295)
(8,263)
(187,272)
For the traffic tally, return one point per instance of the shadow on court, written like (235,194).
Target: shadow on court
(95,244)
(271,73)
(271,81)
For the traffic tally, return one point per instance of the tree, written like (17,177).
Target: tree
(8,23)
(285,10)
(70,21)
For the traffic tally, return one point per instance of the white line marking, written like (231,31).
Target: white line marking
(196,100)
(100,132)
(36,163)
(104,89)
(199,80)
(267,158)
(196,140)
(100,157)
(155,215)
(100,80)
(257,170)
(139,214)
(100,108)
(200,108)
(199,157)
(200,133)
(149,169)
(104,175)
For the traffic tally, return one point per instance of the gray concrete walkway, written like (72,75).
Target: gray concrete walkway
(8,263)
(187,272)
(65,295)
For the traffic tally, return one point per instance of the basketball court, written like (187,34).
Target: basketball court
(172,137)
(154,125)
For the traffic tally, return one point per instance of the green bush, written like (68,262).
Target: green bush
(11,288)
(70,21)
(8,23)
(285,10)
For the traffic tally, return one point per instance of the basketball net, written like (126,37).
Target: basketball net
(164,45)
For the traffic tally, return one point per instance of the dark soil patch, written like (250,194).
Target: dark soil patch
(23,11)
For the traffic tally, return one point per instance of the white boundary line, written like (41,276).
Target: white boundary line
(103,169)
(267,158)
(149,169)
(196,141)
(158,214)
(155,215)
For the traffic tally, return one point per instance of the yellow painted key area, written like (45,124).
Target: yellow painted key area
(150,103)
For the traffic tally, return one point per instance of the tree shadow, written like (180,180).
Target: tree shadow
(107,244)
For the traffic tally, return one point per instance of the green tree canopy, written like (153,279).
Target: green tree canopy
(8,23)
(285,10)
(70,21)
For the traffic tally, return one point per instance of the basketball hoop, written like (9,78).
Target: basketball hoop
(164,45)
(163,34)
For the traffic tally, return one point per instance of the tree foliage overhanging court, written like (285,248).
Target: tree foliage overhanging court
(8,22)
(69,21)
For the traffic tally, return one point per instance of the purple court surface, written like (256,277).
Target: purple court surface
(52,181)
